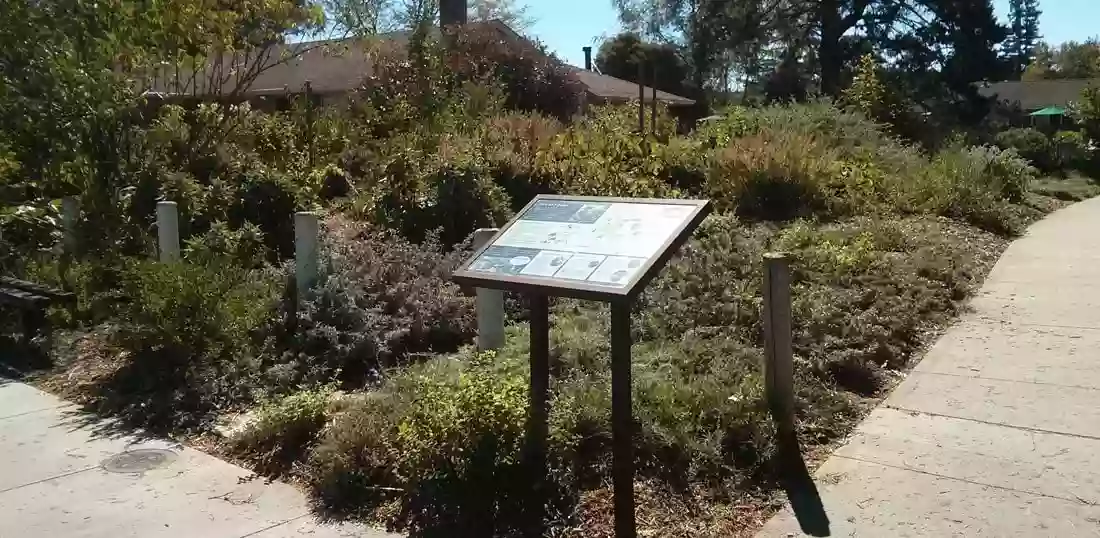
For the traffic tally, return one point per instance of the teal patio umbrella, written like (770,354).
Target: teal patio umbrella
(1050,111)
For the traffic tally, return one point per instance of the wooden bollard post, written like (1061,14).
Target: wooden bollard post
(168,231)
(490,305)
(779,365)
(70,215)
(306,230)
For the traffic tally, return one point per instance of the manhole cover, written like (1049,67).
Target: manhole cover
(138,461)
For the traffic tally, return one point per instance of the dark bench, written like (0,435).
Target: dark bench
(32,300)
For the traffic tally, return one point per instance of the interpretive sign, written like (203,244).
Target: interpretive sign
(584,247)
(605,249)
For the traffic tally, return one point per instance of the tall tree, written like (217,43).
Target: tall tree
(697,27)
(516,15)
(620,56)
(1023,37)
(1071,60)
(372,17)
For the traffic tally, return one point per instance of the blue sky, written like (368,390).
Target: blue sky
(567,25)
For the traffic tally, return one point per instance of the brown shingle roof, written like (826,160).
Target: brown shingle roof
(341,65)
(333,66)
(1036,94)
(617,90)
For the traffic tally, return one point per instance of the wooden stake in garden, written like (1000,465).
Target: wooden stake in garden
(653,101)
(641,99)
(306,230)
(70,213)
(168,231)
(779,365)
(489,304)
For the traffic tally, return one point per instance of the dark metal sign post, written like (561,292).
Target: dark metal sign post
(584,247)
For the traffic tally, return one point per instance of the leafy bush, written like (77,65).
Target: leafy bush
(864,289)
(531,78)
(382,302)
(244,246)
(26,228)
(975,185)
(1074,152)
(772,176)
(447,434)
(1073,188)
(280,430)
(444,439)
(453,194)
(1086,112)
(821,119)
(268,199)
(1032,145)
(94,282)
(187,334)
(872,95)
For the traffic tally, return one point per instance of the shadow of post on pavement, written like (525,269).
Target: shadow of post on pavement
(800,488)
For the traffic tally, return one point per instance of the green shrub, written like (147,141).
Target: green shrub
(712,287)
(602,157)
(27,228)
(382,302)
(864,289)
(94,281)
(1032,145)
(187,332)
(448,435)
(975,185)
(244,246)
(282,429)
(772,176)
(532,80)
(1073,188)
(1074,153)
(443,440)
(268,199)
(819,119)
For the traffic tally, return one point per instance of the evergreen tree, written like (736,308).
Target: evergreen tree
(1023,38)
(619,58)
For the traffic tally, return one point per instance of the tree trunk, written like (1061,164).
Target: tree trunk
(829,52)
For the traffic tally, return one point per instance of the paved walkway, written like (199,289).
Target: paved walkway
(54,482)
(996,432)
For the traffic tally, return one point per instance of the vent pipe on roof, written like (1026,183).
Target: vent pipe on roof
(452,12)
(587,58)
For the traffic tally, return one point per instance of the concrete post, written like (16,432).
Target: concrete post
(779,365)
(70,214)
(306,231)
(168,231)
(490,304)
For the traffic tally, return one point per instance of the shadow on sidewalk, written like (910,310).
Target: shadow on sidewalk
(800,488)
(17,360)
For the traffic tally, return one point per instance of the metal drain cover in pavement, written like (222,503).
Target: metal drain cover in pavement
(138,461)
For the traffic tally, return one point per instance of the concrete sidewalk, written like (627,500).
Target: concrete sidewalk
(997,431)
(61,476)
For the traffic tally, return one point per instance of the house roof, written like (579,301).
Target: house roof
(1037,94)
(617,90)
(341,65)
(331,66)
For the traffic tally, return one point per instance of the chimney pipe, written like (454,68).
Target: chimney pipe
(452,13)
(587,58)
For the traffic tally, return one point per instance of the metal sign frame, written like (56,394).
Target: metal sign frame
(539,289)
(581,289)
